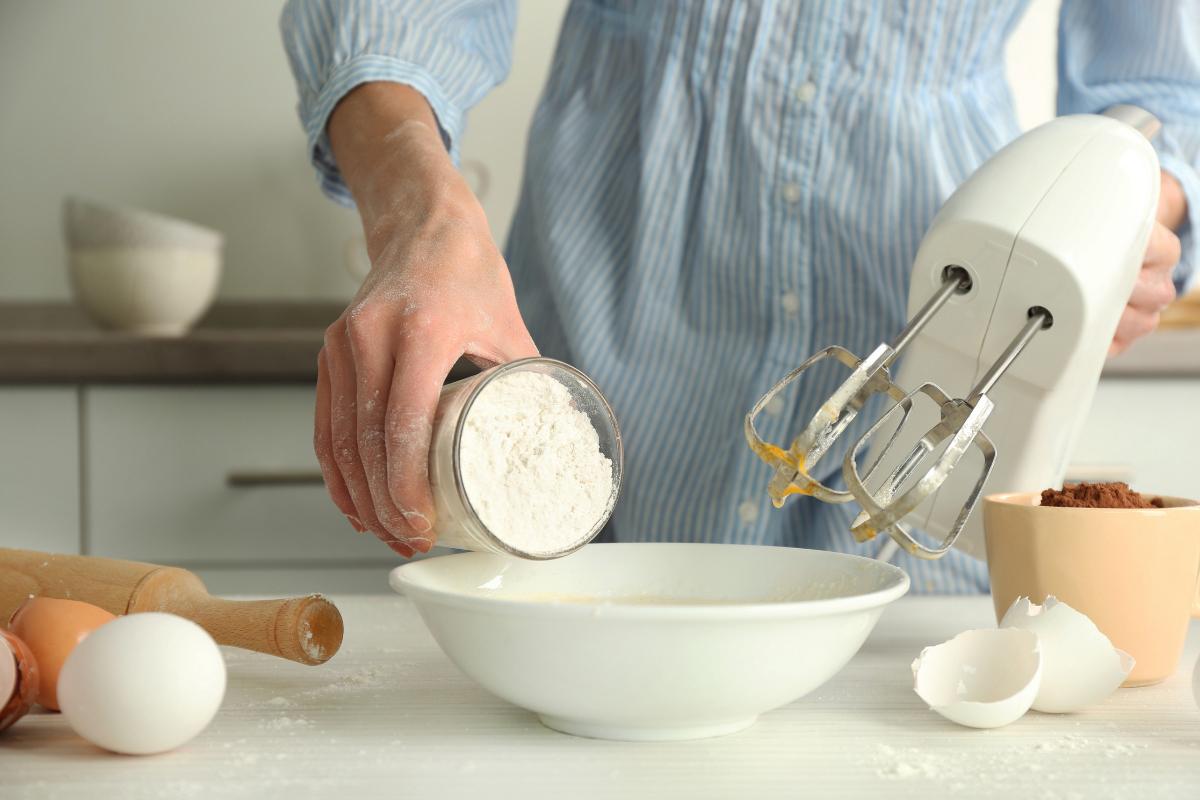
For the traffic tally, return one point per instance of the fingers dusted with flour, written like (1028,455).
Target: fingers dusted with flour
(323,445)
(409,425)
(344,434)
(373,369)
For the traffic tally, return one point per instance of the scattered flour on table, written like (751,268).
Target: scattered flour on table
(531,464)
(1035,763)
(284,723)
(908,763)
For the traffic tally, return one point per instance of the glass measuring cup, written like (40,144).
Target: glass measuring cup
(458,524)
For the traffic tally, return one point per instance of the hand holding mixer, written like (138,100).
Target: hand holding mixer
(1022,275)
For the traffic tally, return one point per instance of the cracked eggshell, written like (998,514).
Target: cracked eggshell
(1081,666)
(53,627)
(981,678)
(18,679)
(1196,683)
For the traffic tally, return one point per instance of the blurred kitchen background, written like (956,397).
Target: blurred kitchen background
(196,450)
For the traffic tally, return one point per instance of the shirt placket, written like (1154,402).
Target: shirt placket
(791,78)
(795,175)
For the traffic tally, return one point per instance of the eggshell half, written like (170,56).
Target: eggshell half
(1196,683)
(981,678)
(18,679)
(52,628)
(1080,665)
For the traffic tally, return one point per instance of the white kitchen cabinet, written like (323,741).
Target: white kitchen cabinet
(39,469)
(158,468)
(1145,431)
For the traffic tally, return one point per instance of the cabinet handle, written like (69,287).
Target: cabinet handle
(249,478)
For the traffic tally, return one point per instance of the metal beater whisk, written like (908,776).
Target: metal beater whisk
(959,428)
(868,377)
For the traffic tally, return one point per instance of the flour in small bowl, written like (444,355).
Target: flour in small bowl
(531,464)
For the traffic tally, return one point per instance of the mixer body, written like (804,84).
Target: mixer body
(1016,291)
(1060,219)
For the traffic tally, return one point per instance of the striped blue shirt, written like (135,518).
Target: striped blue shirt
(714,190)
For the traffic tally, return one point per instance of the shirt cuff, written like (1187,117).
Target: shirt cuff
(1186,273)
(367,69)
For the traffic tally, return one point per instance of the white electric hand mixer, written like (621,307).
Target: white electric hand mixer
(1022,275)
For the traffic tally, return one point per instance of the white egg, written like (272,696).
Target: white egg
(981,678)
(144,683)
(1080,665)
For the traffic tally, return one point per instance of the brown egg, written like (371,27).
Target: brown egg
(18,679)
(52,628)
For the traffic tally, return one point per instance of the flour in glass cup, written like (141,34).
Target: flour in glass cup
(531,464)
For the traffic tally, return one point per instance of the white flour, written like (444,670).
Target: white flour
(531,464)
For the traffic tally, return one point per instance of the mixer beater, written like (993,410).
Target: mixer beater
(1058,219)
(960,427)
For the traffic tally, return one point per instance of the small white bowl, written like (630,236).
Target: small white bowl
(651,641)
(138,271)
(151,291)
(88,224)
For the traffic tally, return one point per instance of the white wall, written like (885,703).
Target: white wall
(187,107)
(181,107)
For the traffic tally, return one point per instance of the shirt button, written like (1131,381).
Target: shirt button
(774,406)
(791,192)
(790,302)
(806,92)
(748,511)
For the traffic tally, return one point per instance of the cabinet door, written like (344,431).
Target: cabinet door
(39,469)
(217,476)
(1144,431)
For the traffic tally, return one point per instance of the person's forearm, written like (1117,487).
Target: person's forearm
(364,130)
(438,289)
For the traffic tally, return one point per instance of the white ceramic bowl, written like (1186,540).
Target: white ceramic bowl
(651,641)
(159,291)
(88,224)
(140,272)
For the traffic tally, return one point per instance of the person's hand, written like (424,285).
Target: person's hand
(438,289)
(1154,289)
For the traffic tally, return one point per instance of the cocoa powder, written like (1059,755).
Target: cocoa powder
(1098,495)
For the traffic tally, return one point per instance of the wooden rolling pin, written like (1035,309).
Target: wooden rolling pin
(303,629)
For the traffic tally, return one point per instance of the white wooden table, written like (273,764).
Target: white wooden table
(391,717)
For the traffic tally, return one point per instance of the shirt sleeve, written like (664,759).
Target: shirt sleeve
(451,51)
(1146,54)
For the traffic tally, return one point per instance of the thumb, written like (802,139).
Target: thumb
(509,343)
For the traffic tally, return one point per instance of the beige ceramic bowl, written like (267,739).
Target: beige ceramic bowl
(140,272)
(1133,571)
(146,291)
